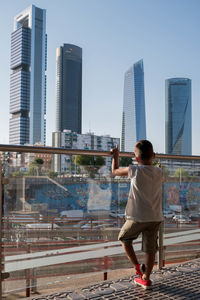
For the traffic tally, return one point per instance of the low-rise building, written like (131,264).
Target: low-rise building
(71,140)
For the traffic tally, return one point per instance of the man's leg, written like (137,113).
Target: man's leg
(129,232)
(150,246)
(149,263)
(128,248)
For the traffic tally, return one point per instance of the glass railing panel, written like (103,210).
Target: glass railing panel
(181,209)
(61,222)
(61,218)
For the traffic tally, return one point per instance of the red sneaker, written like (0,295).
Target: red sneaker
(140,269)
(145,284)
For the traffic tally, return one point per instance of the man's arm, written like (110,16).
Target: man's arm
(116,171)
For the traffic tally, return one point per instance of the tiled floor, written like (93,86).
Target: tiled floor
(178,282)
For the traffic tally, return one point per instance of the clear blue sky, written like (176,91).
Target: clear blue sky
(114,34)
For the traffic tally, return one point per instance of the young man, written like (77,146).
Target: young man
(143,210)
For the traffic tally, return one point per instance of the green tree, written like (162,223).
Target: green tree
(125,161)
(156,163)
(17,174)
(180,172)
(90,163)
(52,174)
(35,167)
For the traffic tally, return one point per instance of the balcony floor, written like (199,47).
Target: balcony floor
(176,282)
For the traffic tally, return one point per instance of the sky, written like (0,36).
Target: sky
(114,34)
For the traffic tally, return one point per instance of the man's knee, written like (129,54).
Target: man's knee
(126,243)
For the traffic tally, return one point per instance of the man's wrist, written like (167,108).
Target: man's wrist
(115,157)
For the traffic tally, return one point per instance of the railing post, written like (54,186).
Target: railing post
(105,265)
(91,224)
(1,209)
(33,281)
(52,224)
(160,246)
(105,274)
(28,290)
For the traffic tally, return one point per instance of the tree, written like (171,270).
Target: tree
(35,166)
(17,174)
(180,172)
(38,161)
(156,162)
(90,163)
(52,174)
(125,161)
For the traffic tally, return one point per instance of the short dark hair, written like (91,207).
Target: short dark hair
(145,150)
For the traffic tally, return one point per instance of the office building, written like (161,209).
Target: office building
(69,88)
(72,140)
(133,117)
(178,118)
(28,79)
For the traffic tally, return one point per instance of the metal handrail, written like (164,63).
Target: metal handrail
(54,150)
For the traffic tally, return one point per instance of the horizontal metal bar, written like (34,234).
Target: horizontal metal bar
(53,150)
(44,259)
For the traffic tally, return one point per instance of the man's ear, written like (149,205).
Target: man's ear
(137,158)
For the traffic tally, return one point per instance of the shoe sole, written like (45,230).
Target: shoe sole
(145,287)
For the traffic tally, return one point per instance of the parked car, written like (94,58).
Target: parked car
(115,214)
(168,214)
(184,220)
(41,226)
(195,217)
(177,217)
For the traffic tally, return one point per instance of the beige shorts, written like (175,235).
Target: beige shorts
(131,230)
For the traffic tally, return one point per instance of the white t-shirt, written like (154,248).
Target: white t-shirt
(145,195)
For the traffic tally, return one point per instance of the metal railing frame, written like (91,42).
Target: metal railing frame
(53,150)
(1,209)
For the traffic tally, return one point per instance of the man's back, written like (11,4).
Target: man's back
(145,196)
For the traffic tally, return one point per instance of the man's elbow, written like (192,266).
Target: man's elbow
(114,172)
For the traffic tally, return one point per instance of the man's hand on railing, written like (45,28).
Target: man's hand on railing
(115,152)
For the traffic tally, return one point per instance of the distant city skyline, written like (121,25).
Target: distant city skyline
(69,88)
(139,29)
(133,115)
(28,79)
(178,131)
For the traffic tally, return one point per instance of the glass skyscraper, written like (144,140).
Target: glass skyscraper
(133,117)
(178,118)
(69,88)
(28,79)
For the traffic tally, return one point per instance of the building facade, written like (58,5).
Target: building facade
(133,117)
(28,78)
(178,116)
(72,140)
(69,88)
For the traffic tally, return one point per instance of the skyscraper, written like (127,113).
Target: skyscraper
(178,118)
(69,88)
(133,117)
(28,79)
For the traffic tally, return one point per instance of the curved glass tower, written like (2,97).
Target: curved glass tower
(69,88)
(28,79)
(133,117)
(178,116)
